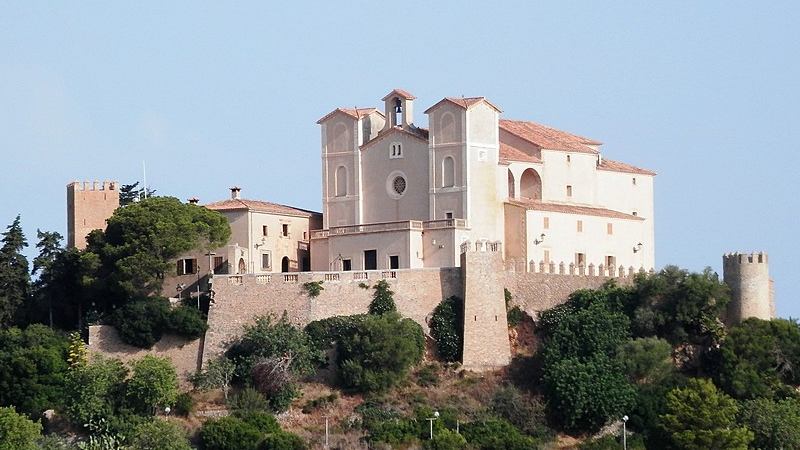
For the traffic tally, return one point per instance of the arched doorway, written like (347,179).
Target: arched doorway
(285,264)
(511,188)
(530,185)
(242,266)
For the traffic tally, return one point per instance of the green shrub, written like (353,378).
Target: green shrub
(280,399)
(525,413)
(184,404)
(159,435)
(445,439)
(54,442)
(17,432)
(325,332)
(153,384)
(610,442)
(283,441)
(229,433)
(94,391)
(186,321)
(382,300)
(319,402)
(775,424)
(141,323)
(428,375)
(447,328)
(262,421)
(380,352)
(313,288)
(515,316)
(248,400)
(494,434)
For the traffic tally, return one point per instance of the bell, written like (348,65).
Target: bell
(398,106)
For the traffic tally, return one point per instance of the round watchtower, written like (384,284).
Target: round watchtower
(747,275)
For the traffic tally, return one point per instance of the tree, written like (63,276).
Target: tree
(679,306)
(159,434)
(95,390)
(141,323)
(525,413)
(446,440)
(759,358)
(493,434)
(14,277)
(646,360)
(218,374)
(380,352)
(775,424)
(67,287)
(447,323)
(128,193)
(153,384)
(33,364)
(383,299)
(141,241)
(282,441)
(700,417)
(17,432)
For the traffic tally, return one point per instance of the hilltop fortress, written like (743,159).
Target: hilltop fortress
(466,206)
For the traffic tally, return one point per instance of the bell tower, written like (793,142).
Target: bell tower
(399,109)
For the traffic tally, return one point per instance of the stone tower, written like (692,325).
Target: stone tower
(89,205)
(747,275)
(486,344)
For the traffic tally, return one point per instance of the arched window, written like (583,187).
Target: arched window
(341,181)
(448,171)
(395,150)
(448,128)
(530,185)
(285,264)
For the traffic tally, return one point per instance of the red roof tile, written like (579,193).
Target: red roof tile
(355,113)
(538,205)
(509,153)
(260,206)
(399,93)
(464,102)
(548,138)
(617,166)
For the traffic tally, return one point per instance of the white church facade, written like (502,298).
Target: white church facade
(396,195)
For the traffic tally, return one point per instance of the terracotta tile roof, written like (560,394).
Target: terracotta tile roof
(355,113)
(617,166)
(509,153)
(399,93)
(464,102)
(538,205)
(419,133)
(260,206)
(548,138)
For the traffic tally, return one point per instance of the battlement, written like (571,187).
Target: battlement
(481,246)
(572,269)
(105,185)
(745,258)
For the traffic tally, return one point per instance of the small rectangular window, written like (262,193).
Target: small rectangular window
(580,259)
(634,181)
(546,224)
(610,228)
(611,261)
(347,265)
(635,213)
(285,229)
(448,215)
(568,158)
(580,226)
(264,230)
(266,261)
(569,191)
(187,266)
(394,262)
(218,261)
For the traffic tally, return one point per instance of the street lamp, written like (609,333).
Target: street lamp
(431,419)
(624,433)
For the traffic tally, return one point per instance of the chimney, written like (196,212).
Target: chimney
(194,201)
(235,191)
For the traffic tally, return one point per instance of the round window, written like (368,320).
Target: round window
(399,185)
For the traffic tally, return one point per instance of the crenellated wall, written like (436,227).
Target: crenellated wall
(747,275)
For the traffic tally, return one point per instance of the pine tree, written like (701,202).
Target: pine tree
(129,193)
(49,251)
(14,276)
(382,300)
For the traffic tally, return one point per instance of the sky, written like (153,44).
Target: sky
(215,94)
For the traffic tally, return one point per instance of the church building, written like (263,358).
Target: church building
(397,195)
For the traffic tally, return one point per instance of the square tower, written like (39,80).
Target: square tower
(89,205)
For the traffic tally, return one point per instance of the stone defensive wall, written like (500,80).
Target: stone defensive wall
(184,353)
(239,299)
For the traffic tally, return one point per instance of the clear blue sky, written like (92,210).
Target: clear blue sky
(211,95)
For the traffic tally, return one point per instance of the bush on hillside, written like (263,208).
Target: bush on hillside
(153,384)
(382,300)
(159,434)
(447,328)
(186,321)
(492,434)
(143,322)
(17,432)
(283,441)
(229,433)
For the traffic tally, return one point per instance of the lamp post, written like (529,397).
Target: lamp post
(624,433)
(431,419)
